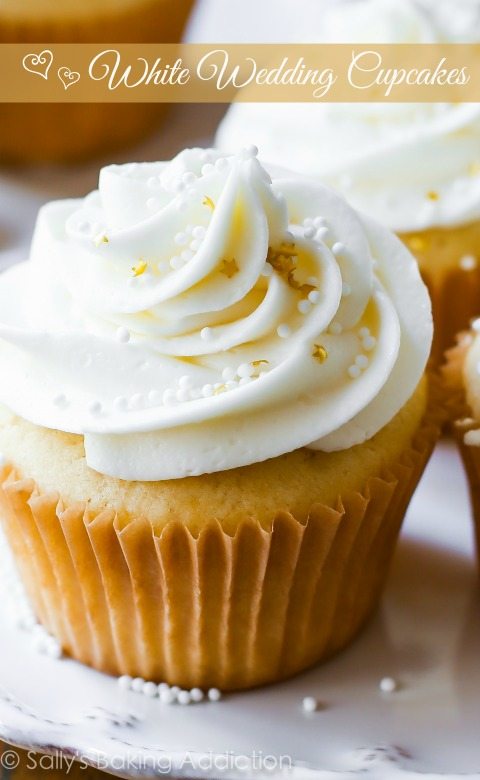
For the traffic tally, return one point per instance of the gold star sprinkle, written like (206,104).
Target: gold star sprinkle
(140,268)
(100,239)
(256,363)
(283,262)
(433,195)
(207,201)
(229,267)
(303,288)
(319,353)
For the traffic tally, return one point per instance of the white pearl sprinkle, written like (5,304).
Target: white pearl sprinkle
(125,682)
(354,372)
(199,232)
(137,684)
(304,306)
(187,255)
(167,696)
(284,331)
(364,332)
(207,391)
(267,270)
(188,178)
(361,361)
(184,697)
(154,397)
(137,401)
(153,204)
(346,290)
(369,342)
(309,232)
(206,334)
(95,407)
(122,335)
(150,690)
(314,296)
(120,403)
(308,222)
(309,704)
(313,281)
(168,397)
(207,169)
(175,689)
(228,374)
(322,233)
(185,381)
(319,222)
(182,395)
(197,695)
(338,248)
(245,370)
(195,245)
(251,150)
(335,328)
(388,685)
(214,694)
(176,262)
(181,239)
(60,400)
(476,325)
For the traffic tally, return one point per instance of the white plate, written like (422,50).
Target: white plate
(426,635)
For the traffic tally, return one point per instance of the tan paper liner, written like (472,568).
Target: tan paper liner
(462,421)
(454,290)
(216,610)
(40,132)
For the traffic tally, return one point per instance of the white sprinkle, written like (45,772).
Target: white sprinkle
(319,222)
(187,255)
(369,342)
(251,150)
(214,694)
(313,281)
(150,690)
(168,397)
(122,335)
(195,245)
(267,270)
(125,682)
(176,262)
(207,391)
(335,328)
(184,697)
(364,332)
(182,395)
(468,263)
(346,290)
(199,232)
(163,686)
(228,374)
(338,248)
(388,685)
(154,397)
(304,306)
(314,296)
(153,204)
(308,222)
(167,696)
(137,684)
(245,370)
(309,232)
(188,178)
(361,361)
(207,169)
(354,372)
(322,233)
(206,155)
(196,694)
(60,400)
(120,403)
(310,704)
(221,164)
(206,334)
(288,237)
(95,407)
(284,331)
(181,239)
(53,650)
(137,401)
(185,381)
(476,325)
(175,689)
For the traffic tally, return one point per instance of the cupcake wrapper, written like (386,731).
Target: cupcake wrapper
(213,610)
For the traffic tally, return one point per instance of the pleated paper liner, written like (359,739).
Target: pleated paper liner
(449,261)
(41,132)
(212,610)
(463,424)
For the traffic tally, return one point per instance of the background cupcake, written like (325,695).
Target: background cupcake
(55,132)
(215,414)
(414,167)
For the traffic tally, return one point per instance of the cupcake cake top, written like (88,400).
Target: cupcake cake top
(198,315)
(410,165)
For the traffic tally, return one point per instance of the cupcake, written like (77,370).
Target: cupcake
(75,131)
(413,167)
(215,410)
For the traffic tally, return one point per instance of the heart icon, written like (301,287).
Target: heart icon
(38,63)
(68,77)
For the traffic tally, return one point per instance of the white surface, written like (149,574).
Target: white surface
(426,636)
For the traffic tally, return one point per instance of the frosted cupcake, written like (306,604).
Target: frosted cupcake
(215,411)
(414,167)
(76,131)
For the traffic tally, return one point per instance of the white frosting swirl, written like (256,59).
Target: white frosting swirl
(197,316)
(411,166)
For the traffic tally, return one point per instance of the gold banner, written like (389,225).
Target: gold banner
(218,73)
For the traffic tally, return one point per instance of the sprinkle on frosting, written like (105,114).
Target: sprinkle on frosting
(207,201)
(139,268)
(319,353)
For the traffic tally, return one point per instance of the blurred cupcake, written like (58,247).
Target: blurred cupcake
(215,414)
(414,167)
(39,132)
